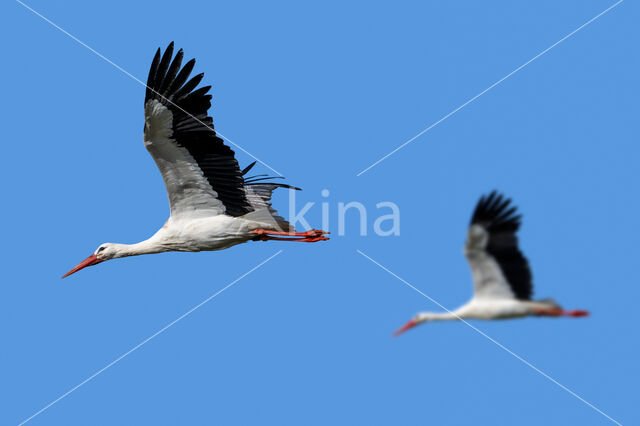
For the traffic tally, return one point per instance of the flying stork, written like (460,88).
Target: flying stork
(214,205)
(501,274)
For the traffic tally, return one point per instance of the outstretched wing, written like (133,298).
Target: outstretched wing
(200,172)
(498,267)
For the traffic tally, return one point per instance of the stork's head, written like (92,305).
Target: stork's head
(106,251)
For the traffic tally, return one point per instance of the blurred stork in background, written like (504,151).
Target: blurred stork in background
(501,274)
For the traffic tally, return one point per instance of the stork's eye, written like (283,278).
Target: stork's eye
(100,249)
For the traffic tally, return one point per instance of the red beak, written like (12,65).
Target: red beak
(405,327)
(89,261)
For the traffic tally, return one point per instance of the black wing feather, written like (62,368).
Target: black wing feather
(182,76)
(152,75)
(495,214)
(261,179)
(172,72)
(162,68)
(189,86)
(166,83)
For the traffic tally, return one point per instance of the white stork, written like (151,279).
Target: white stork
(501,275)
(213,204)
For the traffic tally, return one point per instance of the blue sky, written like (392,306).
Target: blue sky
(319,92)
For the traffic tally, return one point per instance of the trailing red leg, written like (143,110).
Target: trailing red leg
(557,312)
(549,312)
(310,236)
(309,233)
(302,240)
(577,313)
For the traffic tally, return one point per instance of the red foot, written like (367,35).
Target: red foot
(310,236)
(309,240)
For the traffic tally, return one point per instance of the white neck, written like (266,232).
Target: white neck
(143,247)
(437,316)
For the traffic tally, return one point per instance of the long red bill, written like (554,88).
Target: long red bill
(89,261)
(405,327)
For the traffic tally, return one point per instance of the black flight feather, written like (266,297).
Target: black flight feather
(169,85)
(495,214)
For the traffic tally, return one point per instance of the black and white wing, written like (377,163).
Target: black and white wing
(200,172)
(258,193)
(498,267)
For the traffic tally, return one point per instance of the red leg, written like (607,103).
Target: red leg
(303,240)
(310,236)
(577,313)
(549,312)
(557,312)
